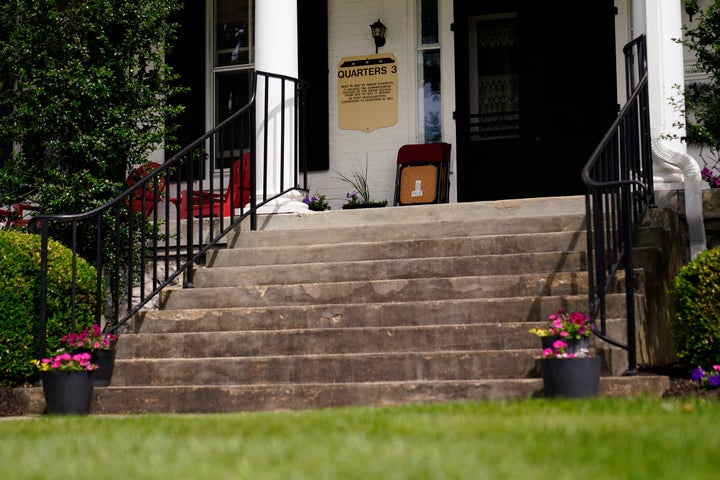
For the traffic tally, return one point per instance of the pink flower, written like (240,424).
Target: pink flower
(558,344)
(564,334)
(547,352)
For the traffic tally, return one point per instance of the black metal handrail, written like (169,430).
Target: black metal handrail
(619,190)
(140,243)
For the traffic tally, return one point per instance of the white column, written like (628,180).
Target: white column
(673,168)
(665,70)
(276,51)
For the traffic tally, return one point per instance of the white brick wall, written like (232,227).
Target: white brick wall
(349,35)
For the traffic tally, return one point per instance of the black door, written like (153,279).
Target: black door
(535,92)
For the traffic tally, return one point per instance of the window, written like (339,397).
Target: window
(428,57)
(233,62)
(234,40)
(494,77)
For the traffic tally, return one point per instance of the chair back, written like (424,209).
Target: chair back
(240,185)
(421,153)
(144,202)
(422,174)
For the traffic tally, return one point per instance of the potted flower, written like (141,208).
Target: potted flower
(570,375)
(360,196)
(573,328)
(101,347)
(67,381)
(317,203)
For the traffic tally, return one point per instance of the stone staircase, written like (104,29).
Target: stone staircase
(367,307)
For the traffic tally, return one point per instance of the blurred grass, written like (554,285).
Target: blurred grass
(532,439)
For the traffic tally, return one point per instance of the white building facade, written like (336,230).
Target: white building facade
(522,90)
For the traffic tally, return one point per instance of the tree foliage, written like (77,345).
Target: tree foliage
(89,90)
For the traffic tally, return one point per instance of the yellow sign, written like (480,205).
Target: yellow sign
(367,92)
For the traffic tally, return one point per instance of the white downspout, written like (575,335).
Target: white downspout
(693,192)
(661,21)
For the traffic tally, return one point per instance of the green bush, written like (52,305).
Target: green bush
(19,301)
(696,326)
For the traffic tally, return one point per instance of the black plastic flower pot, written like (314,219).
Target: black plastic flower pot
(105,360)
(570,377)
(67,391)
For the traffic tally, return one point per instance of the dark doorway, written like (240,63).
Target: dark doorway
(535,92)
(187,58)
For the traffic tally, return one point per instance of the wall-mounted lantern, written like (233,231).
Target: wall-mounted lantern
(378,34)
(691,8)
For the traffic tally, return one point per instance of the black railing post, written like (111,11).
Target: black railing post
(189,273)
(627,227)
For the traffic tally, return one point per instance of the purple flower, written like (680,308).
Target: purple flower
(714,380)
(708,175)
(698,375)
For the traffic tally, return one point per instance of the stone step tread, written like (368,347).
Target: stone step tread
(495,210)
(482,336)
(126,400)
(379,291)
(392,250)
(352,367)
(417,231)
(370,314)
(415,240)
(397,268)
(516,232)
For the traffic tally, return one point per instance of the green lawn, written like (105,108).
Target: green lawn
(534,439)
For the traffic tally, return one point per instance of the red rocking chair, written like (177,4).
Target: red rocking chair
(206,204)
(144,200)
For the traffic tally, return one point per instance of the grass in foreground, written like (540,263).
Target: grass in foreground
(534,439)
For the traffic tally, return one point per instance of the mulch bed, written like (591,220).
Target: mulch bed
(8,403)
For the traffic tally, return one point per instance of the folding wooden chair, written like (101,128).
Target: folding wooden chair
(422,175)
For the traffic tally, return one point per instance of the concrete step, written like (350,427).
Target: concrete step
(334,340)
(278,273)
(570,226)
(494,211)
(378,291)
(426,312)
(373,250)
(233,398)
(328,368)
(388,232)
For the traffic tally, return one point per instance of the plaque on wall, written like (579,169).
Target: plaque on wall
(367,92)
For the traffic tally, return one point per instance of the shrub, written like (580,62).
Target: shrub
(696,296)
(19,301)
